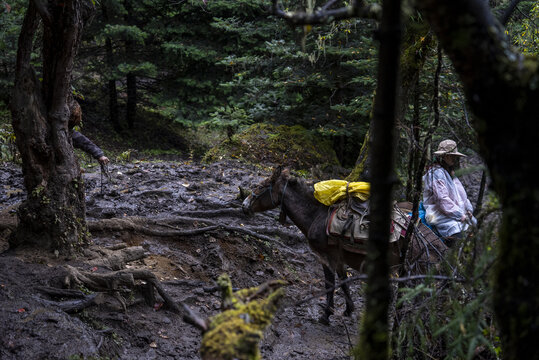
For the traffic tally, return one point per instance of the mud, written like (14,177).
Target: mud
(187,266)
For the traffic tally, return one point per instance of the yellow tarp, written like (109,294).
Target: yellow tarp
(330,191)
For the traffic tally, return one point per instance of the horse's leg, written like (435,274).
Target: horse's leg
(346,290)
(329,276)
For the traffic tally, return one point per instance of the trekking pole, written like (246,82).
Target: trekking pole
(104,171)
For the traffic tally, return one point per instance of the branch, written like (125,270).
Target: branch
(509,11)
(364,277)
(25,42)
(43,11)
(324,15)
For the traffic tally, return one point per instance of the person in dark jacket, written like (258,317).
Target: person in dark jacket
(80,141)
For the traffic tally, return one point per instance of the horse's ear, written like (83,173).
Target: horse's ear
(286,173)
(276,173)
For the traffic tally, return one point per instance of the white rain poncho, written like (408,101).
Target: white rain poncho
(445,202)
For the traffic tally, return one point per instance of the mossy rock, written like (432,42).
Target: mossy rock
(292,146)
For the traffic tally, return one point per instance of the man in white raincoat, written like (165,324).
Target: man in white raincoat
(447,207)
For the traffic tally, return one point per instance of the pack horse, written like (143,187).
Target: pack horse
(296,200)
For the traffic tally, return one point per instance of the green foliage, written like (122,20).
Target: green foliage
(524,29)
(141,69)
(11,16)
(8,148)
(125,33)
(195,60)
(230,118)
(452,320)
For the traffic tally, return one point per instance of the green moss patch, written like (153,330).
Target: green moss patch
(292,146)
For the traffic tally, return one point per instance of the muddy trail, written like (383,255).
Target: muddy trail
(181,221)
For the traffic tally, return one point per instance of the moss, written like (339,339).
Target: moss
(292,146)
(236,332)
(358,173)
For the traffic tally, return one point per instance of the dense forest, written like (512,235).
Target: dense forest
(208,97)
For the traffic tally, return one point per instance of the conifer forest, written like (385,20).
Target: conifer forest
(269,179)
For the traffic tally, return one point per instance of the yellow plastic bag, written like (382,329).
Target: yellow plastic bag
(330,191)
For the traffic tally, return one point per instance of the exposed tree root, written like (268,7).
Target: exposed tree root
(169,227)
(141,225)
(72,306)
(113,282)
(114,259)
(63,293)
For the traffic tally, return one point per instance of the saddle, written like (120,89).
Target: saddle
(348,224)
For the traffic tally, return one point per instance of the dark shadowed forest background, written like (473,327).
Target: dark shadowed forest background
(195,101)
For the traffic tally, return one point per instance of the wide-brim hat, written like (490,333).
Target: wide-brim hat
(448,147)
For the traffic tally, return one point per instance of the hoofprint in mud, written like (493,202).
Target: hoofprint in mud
(159,206)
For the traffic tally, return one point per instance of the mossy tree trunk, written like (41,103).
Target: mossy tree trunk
(360,170)
(53,215)
(417,43)
(501,89)
(374,338)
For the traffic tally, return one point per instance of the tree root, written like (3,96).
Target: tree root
(116,258)
(72,306)
(141,225)
(168,227)
(112,282)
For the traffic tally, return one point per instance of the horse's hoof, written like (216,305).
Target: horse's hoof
(324,320)
(348,311)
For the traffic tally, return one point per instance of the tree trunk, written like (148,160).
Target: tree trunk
(360,170)
(374,337)
(53,215)
(414,152)
(416,45)
(502,93)
(131,108)
(416,188)
(111,85)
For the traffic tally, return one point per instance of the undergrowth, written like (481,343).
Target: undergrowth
(452,319)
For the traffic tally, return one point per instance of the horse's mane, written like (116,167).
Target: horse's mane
(300,184)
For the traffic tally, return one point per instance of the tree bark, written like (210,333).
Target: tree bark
(417,43)
(374,337)
(53,215)
(131,107)
(360,170)
(111,84)
(501,90)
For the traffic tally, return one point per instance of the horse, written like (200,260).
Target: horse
(296,201)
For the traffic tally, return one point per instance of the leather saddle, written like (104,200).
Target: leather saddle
(348,224)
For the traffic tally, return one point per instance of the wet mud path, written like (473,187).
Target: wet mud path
(187,219)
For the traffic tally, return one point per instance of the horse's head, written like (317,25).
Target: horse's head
(268,194)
